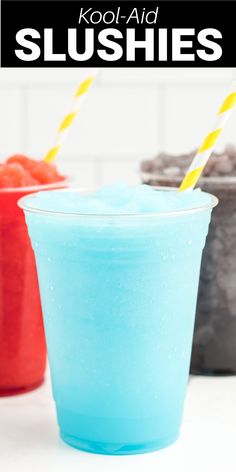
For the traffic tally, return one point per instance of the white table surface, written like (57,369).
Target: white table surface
(29,438)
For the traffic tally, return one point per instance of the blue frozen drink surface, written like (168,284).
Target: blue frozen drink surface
(119,296)
(120,199)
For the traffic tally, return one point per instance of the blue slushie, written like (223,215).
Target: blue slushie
(118,271)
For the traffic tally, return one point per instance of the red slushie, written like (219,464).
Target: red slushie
(22,341)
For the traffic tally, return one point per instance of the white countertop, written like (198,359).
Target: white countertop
(29,438)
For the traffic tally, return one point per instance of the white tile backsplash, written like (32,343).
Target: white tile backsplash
(112,121)
(10,121)
(156,76)
(129,115)
(120,170)
(80,171)
(37,76)
(190,115)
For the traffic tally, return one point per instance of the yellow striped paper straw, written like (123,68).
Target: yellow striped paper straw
(209,142)
(65,125)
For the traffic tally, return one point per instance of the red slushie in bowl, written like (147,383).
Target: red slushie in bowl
(22,341)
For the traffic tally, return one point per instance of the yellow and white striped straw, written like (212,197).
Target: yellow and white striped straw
(66,123)
(209,142)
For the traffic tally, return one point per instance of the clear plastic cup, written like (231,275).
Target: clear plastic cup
(22,340)
(119,296)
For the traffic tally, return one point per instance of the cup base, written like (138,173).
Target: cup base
(10,392)
(117,449)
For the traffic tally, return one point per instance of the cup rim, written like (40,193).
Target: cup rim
(22,203)
(36,188)
(223,179)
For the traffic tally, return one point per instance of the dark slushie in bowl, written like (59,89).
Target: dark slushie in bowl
(214,342)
